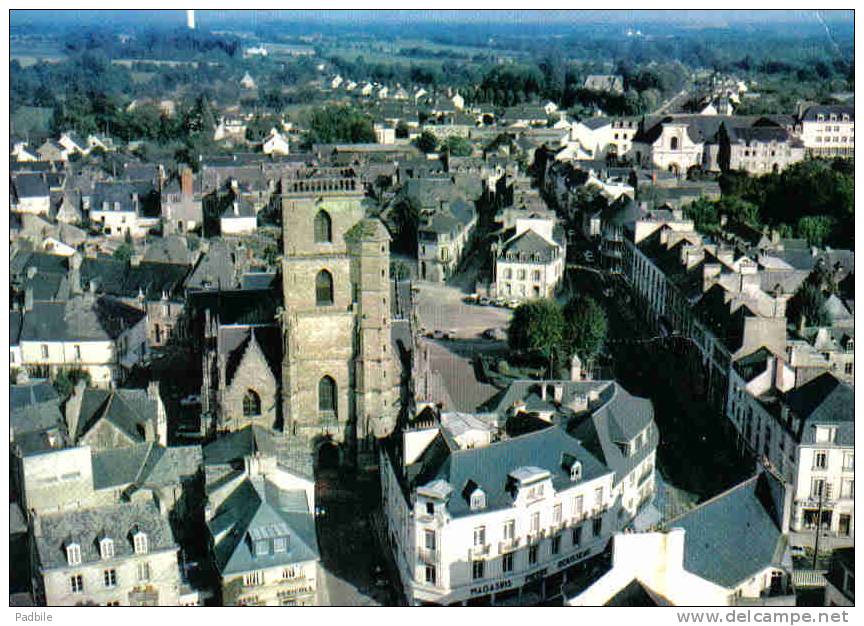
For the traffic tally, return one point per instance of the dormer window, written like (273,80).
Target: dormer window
(280,544)
(262,547)
(571,465)
(139,540)
(478,500)
(106,548)
(73,554)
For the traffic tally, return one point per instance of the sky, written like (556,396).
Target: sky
(222,18)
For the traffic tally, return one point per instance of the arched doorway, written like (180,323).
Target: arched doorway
(328,457)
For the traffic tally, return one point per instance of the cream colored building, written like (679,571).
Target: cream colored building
(506,505)
(121,555)
(668,146)
(829,130)
(98,334)
(530,264)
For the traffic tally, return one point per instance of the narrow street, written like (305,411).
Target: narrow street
(352,571)
(710,463)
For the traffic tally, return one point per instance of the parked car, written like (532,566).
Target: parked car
(484,301)
(797,551)
(513,303)
(502,302)
(471,298)
(190,400)
(495,334)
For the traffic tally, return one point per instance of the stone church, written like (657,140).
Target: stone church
(338,378)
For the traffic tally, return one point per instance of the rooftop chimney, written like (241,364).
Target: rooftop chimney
(186,182)
(28,299)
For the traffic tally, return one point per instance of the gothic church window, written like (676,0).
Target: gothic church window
(323,228)
(324,288)
(251,404)
(327,394)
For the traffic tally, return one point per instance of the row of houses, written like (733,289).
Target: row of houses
(108,509)
(758,145)
(791,406)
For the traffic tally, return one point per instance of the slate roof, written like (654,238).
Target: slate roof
(81,319)
(258,508)
(529,247)
(123,280)
(596,122)
(30,186)
(258,280)
(126,409)
(114,192)
(618,419)
(45,264)
(32,393)
(230,449)
(245,209)
(216,269)
(824,400)
(241,307)
(170,249)
(87,526)
(735,535)
(236,341)
(810,115)
(700,128)
(35,419)
(489,466)
(760,134)
(146,464)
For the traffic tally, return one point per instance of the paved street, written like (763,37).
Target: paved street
(441,307)
(352,572)
(685,419)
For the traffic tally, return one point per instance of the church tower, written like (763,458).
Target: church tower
(337,370)
(374,377)
(318,208)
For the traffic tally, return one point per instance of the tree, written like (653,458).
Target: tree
(585,326)
(807,306)
(704,214)
(458,146)
(401,129)
(340,124)
(426,142)
(124,252)
(406,215)
(65,380)
(815,229)
(537,328)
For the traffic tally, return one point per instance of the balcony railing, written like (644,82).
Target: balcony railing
(508,545)
(479,551)
(427,555)
(534,537)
